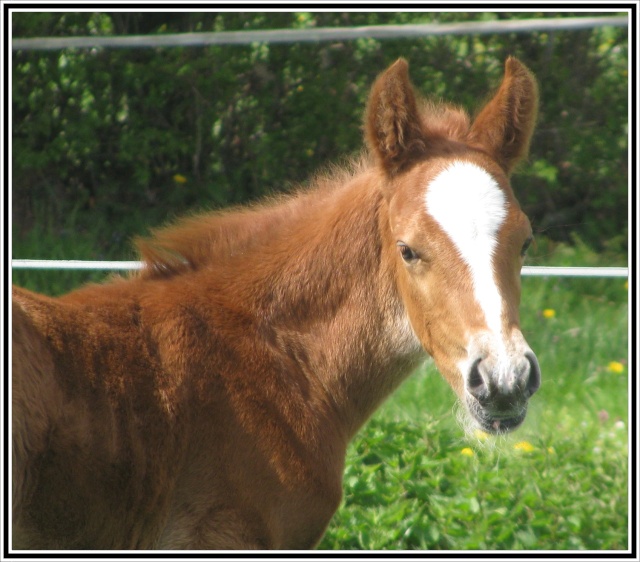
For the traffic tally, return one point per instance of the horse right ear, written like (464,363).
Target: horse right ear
(393,127)
(505,125)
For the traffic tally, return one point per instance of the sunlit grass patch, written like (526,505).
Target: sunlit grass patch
(411,486)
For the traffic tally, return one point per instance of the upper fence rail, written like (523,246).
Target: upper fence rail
(318,34)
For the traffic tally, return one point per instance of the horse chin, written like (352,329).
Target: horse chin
(496,423)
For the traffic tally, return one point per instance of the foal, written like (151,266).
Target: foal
(207,402)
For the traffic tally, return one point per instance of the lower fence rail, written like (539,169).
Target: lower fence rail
(528,271)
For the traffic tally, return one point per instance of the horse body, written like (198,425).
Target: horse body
(259,414)
(208,401)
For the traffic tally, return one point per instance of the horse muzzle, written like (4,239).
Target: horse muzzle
(497,390)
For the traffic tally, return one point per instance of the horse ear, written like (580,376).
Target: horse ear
(505,125)
(393,127)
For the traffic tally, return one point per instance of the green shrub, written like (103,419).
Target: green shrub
(108,130)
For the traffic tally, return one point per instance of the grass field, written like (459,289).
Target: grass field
(414,480)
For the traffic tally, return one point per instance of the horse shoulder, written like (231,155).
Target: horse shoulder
(273,470)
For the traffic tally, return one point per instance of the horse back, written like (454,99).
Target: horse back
(93,442)
(35,399)
(123,409)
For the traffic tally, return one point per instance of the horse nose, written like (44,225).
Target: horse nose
(488,381)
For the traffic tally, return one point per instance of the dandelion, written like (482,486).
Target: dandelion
(467,452)
(179,178)
(549,313)
(615,367)
(524,446)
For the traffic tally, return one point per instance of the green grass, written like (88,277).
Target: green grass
(409,485)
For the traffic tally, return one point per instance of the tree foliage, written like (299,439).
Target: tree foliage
(159,130)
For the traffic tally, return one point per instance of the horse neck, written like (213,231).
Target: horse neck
(329,303)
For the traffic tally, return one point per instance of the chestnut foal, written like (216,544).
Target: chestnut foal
(207,401)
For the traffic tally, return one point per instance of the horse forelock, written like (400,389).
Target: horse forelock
(444,120)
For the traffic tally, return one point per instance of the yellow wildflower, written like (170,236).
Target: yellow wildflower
(524,446)
(467,452)
(615,367)
(179,178)
(551,450)
(548,313)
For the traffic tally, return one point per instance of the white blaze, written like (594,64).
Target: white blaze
(470,207)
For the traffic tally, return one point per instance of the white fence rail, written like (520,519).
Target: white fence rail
(529,271)
(540,271)
(75,264)
(319,34)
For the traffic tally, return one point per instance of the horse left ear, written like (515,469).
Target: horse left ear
(393,126)
(505,125)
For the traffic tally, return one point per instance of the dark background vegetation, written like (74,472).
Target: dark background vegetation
(116,140)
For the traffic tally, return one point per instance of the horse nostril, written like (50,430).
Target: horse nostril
(533,382)
(475,383)
(519,382)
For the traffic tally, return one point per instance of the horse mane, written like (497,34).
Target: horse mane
(196,241)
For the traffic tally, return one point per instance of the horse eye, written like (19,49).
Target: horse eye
(526,245)
(408,255)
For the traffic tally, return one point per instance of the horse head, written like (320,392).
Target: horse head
(460,234)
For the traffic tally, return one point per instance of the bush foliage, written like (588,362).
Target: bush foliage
(150,132)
